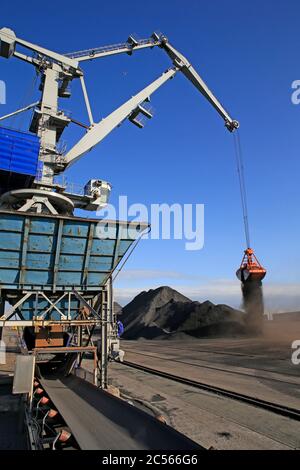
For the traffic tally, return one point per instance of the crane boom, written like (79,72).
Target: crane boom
(104,51)
(59,70)
(97,133)
(179,60)
(188,70)
(100,130)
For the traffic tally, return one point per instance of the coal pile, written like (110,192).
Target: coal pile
(140,316)
(164,313)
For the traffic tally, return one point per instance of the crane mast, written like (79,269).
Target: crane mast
(49,121)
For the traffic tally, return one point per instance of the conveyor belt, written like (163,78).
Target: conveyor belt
(99,420)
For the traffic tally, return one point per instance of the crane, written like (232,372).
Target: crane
(49,121)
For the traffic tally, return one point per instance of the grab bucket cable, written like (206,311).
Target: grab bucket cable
(240,169)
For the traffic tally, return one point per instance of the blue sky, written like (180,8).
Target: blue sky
(248,53)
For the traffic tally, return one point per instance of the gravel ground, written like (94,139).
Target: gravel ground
(206,418)
(256,366)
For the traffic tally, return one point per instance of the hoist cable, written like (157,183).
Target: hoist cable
(240,170)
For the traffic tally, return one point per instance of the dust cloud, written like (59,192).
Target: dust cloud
(253,303)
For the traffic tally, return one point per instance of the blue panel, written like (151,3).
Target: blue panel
(40,260)
(70,262)
(73,245)
(44,226)
(9,259)
(9,277)
(42,243)
(11,223)
(39,278)
(102,247)
(19,152)
(103,263)
(57,257)
(76,265)
(69,278)
(94,279)
(76,229)
(10,241)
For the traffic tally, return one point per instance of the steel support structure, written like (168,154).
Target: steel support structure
(80,326)
(105,307)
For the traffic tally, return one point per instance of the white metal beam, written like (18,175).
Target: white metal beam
(100,130)
(86,99)
(12,310)
(54,306)
(121,50)
(7,35)
(63,60)
(19,111)
(188,70)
